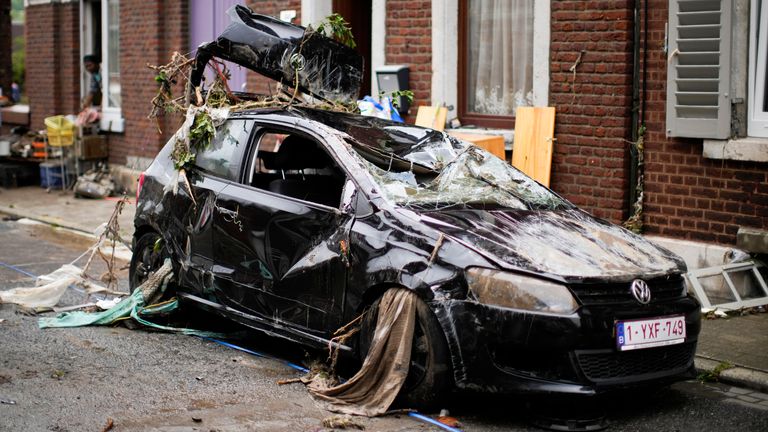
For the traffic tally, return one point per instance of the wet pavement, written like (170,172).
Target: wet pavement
(75,379)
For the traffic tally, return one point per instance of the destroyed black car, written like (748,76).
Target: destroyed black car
(296,220)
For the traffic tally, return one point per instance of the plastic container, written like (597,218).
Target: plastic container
(61,131)
(50,175)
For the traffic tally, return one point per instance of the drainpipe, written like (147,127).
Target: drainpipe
(633,156)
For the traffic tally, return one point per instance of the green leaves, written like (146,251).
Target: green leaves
(334,26)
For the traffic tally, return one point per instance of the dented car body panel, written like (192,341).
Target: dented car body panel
(300,268)
(285,52)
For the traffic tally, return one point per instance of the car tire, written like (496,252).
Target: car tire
(429,375)
(146,258)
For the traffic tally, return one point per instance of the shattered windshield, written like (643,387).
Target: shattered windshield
(424,168)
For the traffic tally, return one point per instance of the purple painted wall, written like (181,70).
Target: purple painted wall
(207,19)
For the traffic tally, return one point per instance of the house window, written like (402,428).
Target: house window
(100,35)
(495,64)
(757,125)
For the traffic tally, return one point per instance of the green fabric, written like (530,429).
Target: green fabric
(131,306)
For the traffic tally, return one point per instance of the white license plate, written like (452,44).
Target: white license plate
(648,333)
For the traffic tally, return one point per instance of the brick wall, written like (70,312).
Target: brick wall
(149,33)
(688,196)
(256,83)
(52,65)
(593,119)
(409,42)
(6,69)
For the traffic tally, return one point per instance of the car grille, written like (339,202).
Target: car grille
(661,289)
(606,366)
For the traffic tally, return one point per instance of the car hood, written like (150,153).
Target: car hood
(568,245)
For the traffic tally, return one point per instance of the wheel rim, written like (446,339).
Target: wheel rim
(149,260)
(419,358)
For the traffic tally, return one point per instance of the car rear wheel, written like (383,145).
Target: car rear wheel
(148,256)
(429,373)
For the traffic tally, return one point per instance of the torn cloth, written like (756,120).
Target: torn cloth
(374,387)
(49,288)
(131,307)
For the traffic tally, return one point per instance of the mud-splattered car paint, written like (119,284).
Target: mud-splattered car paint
(309,216)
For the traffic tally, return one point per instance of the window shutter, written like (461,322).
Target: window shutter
(698,71)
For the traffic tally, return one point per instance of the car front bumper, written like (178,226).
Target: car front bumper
(507,351)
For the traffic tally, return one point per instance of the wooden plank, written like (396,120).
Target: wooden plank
(494,144)
(534,136)
(432,117)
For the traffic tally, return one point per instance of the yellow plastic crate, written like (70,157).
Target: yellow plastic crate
(61,131)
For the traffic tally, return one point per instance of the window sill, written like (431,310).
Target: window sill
(742,149)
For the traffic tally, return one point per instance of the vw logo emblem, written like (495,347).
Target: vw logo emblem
(641,291)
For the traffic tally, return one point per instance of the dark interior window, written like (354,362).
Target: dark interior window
(296,166)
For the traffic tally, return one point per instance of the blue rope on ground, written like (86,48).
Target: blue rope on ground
(257,354)
(415,415)
(432,421)
(14,268)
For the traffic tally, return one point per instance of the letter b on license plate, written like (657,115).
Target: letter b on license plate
(648,333)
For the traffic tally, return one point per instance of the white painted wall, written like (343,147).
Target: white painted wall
(314,11)
(378,40)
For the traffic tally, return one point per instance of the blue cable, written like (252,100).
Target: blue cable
(433,422)
(257,354)
(17,269)
(415,415)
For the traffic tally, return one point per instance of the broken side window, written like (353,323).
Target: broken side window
(294,165)
(224,156)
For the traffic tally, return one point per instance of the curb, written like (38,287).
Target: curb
(10,211)
(738,375)
(122,252)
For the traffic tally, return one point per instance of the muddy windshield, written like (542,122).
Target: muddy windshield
(435,170)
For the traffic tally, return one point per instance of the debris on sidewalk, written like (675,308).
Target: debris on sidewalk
(95,183)
(109,425)
(446,419)
(342,422)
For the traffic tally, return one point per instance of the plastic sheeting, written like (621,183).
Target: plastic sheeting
(50,288)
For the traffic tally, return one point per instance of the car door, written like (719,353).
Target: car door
(214,167)
(280,237)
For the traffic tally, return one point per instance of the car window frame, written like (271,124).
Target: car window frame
(263,125)
(241,171)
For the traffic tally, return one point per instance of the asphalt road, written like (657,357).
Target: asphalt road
(81,379)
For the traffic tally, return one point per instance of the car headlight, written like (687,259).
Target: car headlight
(510,290)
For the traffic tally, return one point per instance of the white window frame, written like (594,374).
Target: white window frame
(445,43)
(111,117)
(757,123)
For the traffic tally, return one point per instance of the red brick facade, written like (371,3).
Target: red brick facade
(6,69)
(53,60)
(686,196)
(409,42)
(593,105)
(150,31)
